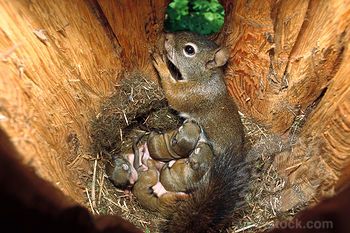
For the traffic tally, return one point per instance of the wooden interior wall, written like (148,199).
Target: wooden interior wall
(289,65)
(57,62)
(283,55)
(138,26)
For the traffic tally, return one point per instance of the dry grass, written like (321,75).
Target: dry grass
(110,200)
(137,105)
(261,212)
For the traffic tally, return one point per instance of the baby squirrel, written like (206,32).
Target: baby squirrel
(160,186)
(151,194)
(174,144)
(192,77)
(123,170)
(177,175)
(159,190)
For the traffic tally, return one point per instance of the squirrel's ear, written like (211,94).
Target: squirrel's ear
(220,58)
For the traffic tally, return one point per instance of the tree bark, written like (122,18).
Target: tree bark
(289,61)
(57,62)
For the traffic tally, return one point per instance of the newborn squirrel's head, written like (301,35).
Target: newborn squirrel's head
(191,56)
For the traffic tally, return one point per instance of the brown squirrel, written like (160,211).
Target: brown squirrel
(150,192)
(174,144)
(121,170)
(177,174)
(158,189)
(192,77)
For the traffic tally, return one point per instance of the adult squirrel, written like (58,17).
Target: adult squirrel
(192,77)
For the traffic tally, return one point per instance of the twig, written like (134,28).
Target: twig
(293,166)
(101,187)
(131,96)
(74,161)
(93,185)
(122,206)
(111,201)
(261,131)
(273,206)
(126,119)
(121,134)
(245,228)
(88,195)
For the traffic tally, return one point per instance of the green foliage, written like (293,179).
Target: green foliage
(202,16)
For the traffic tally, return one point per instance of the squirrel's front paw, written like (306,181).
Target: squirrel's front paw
(158,189)
(160,65)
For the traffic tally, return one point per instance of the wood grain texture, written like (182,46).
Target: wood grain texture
(330,123)
(57,62)
(248,28)
(137,26)
(283,55)
(289,59)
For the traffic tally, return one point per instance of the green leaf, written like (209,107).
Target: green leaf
(201,16)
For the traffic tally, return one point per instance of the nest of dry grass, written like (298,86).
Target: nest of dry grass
(139,104)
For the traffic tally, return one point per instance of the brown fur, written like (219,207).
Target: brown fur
(174,144)
(144,194)
(202,95)
(183,172)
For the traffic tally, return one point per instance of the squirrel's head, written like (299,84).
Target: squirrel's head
(191,56)
(121,172)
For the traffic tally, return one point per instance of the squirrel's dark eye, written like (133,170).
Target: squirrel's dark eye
(190,50)
(194,164)
(173,141)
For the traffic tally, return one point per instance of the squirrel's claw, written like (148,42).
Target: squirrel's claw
(160,65)
(157,60)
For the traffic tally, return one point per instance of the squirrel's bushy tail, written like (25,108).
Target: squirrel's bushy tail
(215,199)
